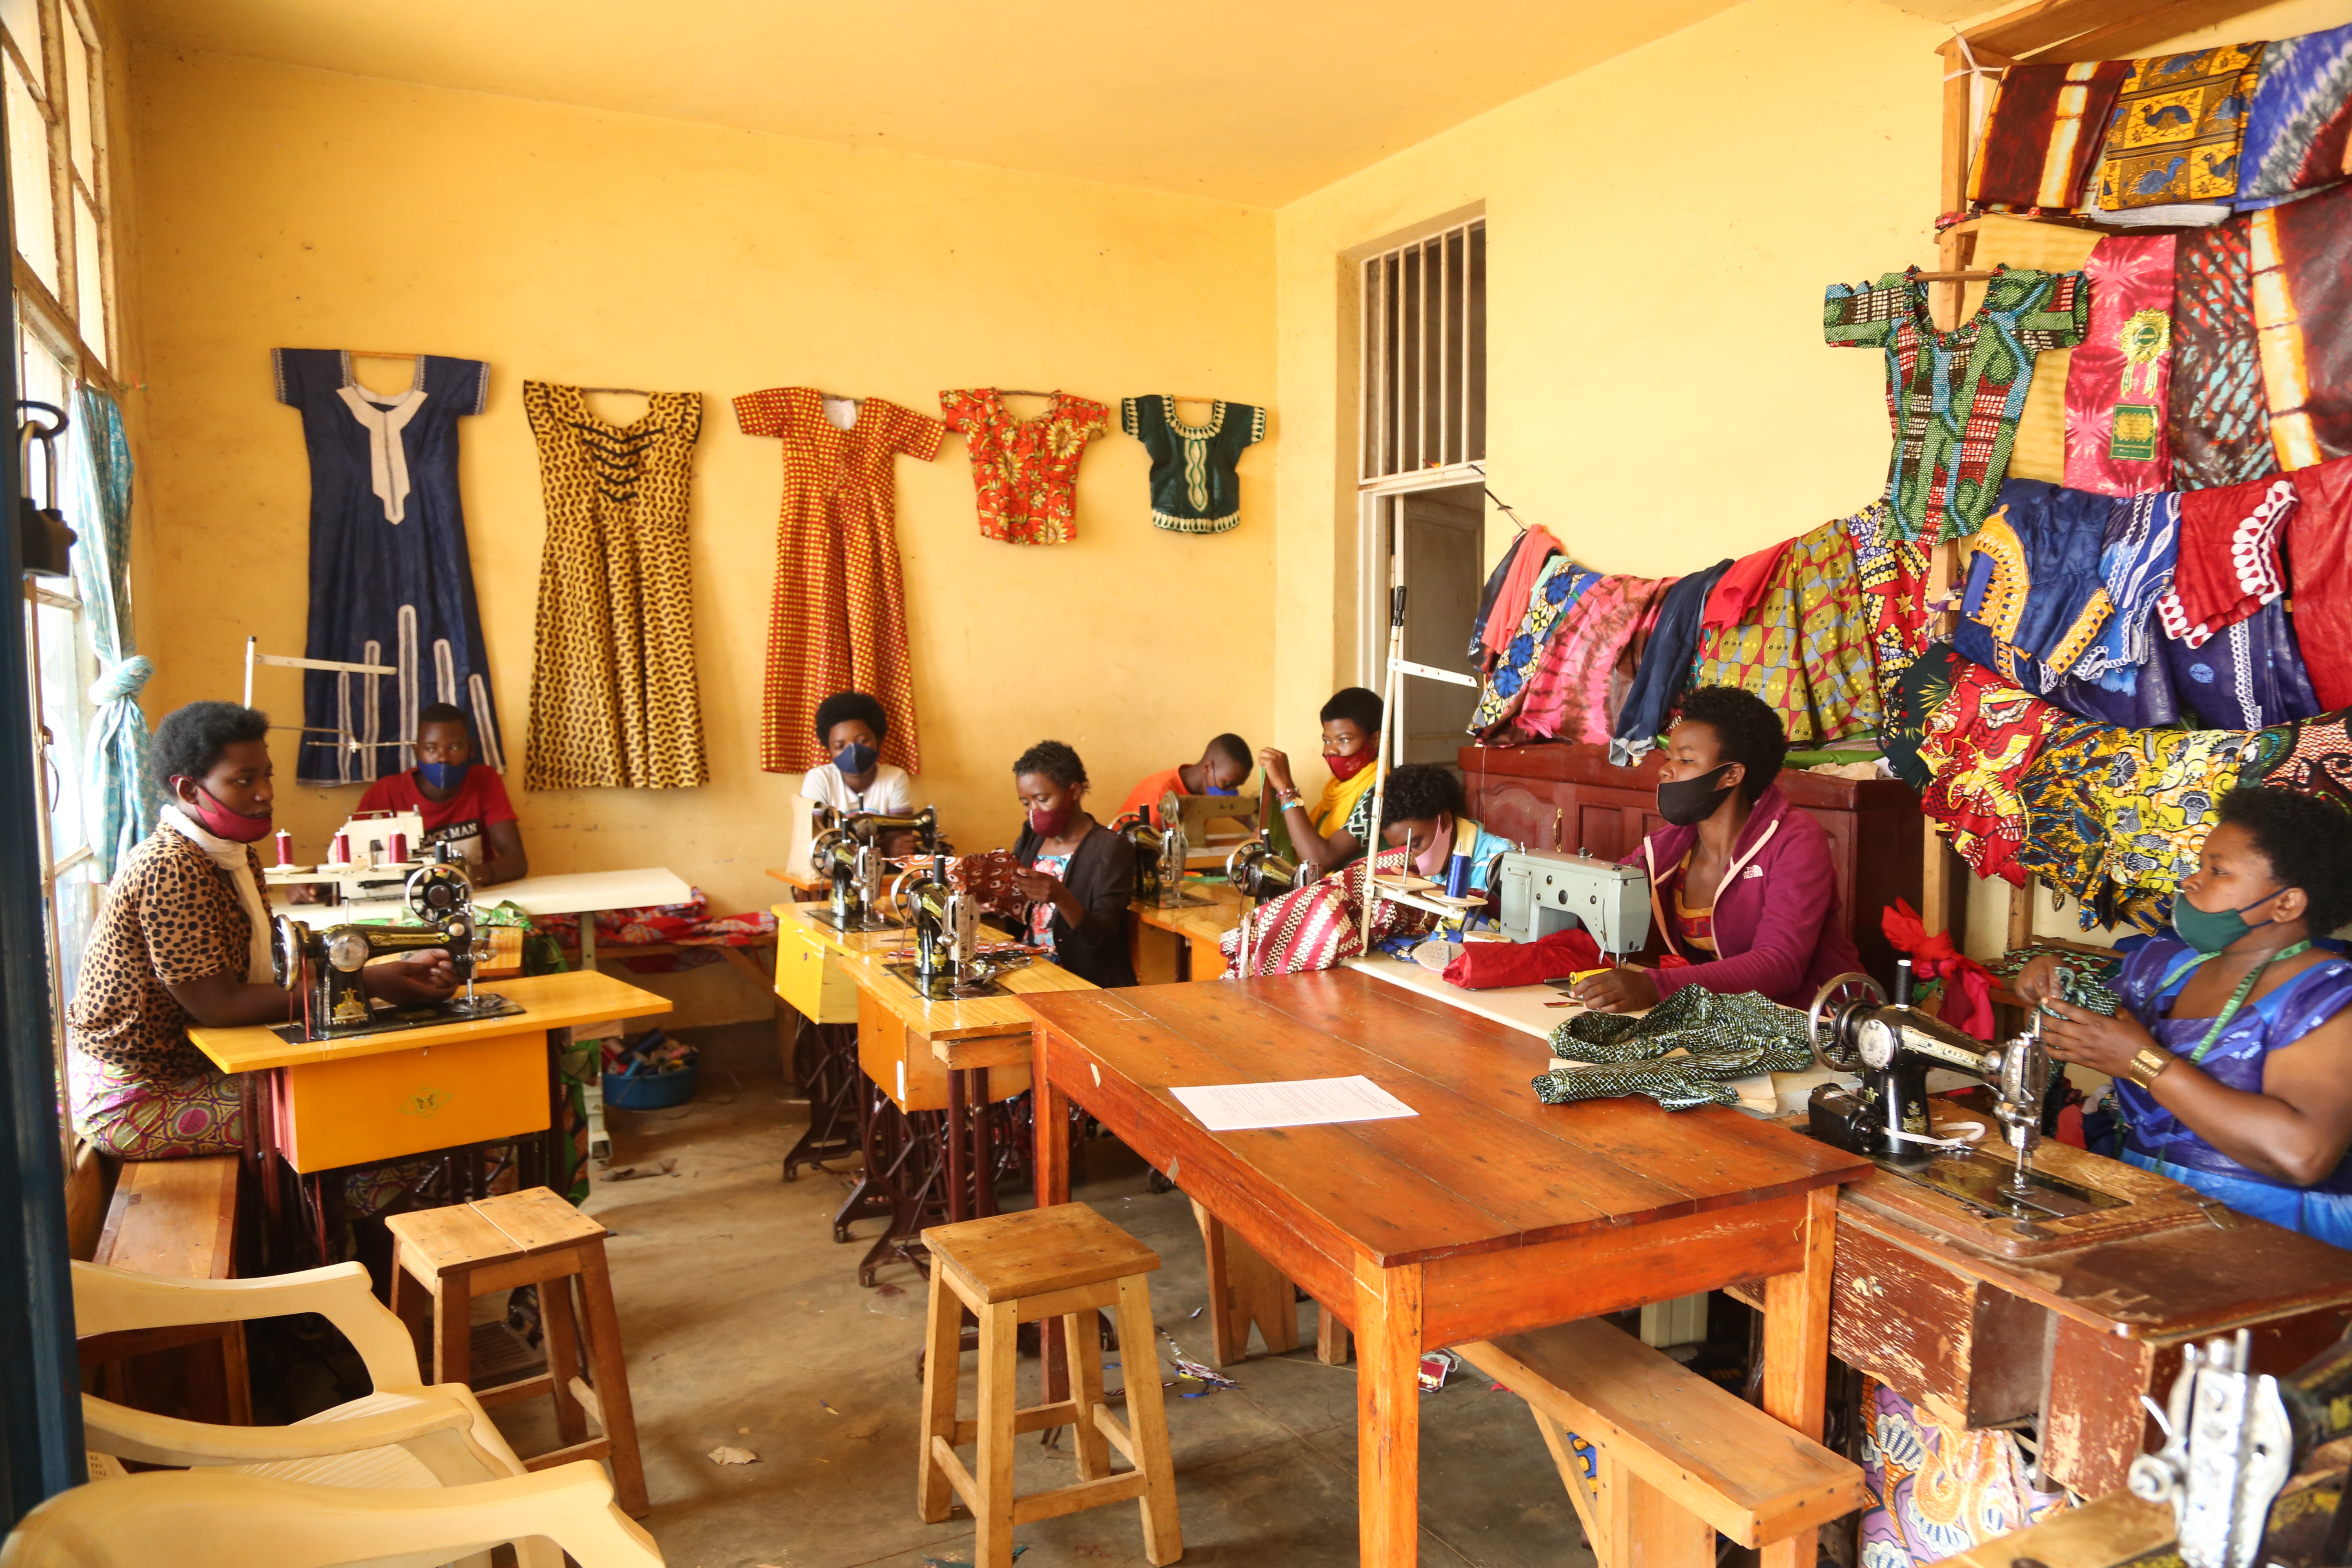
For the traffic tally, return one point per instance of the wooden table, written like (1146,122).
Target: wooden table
(810,981)
(319,1106)
(1489,1213)
(1190,950)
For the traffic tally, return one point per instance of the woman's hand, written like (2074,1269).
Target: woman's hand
(1277,764)
(2038,981)
(2086,1039)
(1036,886)
(427,976)
(1617,991)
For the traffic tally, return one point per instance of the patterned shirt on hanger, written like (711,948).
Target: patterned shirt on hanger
(1194,486)
(1025,471)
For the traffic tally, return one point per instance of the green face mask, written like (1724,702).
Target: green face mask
(2210,930)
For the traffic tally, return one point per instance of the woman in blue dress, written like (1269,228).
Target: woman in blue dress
(2231,1054)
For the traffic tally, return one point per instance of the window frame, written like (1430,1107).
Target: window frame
(62,312)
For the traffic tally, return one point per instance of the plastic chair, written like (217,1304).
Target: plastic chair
(206,1519)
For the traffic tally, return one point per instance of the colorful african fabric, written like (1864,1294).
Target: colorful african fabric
(132,1116)
(1938,1488)
(1894,571)
(2046,127)
(1804,645)
(2248,677)
(2301,296)
(1738,590)
(2136,561)
(1955,397)
(1026,471)
(2219,425)
(2159,797)
(2229,565)
(1195,485)
(2319,556)
(614,697)
(1524,564)
(1316,927)
(2067,848)
(1567,697)
(1912,698)
(1665,667)
(1559,586)
(839,617)
(1979,744)
(2178,126)
(2118,382)
(2316,759)
(2299,125)
(1762,655)
(2036,599)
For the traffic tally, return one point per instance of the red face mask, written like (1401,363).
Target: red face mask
(1345,768)
(221,823)
(1049,823)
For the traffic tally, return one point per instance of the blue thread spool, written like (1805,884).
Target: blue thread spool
(1457,875)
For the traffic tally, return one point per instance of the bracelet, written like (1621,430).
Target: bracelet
(2146,1064)
(1288,797)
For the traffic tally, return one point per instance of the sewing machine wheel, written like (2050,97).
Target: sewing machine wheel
(1825,1021)
(434,890)
(286,953)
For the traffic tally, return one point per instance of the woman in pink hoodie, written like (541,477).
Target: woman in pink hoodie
(1741,880)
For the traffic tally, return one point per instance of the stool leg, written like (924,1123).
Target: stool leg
(1146,1422)
(999,1334)
(613,1382)
(563,1357)
(453,1330)
(1083,1336)
(942,1362)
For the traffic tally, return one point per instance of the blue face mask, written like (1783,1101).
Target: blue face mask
(856,758)
(1214,790)
(443,775)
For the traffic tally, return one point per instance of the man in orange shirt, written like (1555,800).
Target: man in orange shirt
(1224,765)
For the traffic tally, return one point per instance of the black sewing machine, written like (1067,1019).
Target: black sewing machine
(945,922)
(1159,853)
(321,965)
(849,852)
(1254,872)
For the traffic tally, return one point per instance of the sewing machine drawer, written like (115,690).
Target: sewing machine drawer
(362,1110)
(900,1062)
(1923,1330)
(808,978)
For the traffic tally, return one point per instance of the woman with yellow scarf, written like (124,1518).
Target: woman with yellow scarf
(1335,830)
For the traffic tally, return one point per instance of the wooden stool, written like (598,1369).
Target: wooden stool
(529,1237)
(1068,1262)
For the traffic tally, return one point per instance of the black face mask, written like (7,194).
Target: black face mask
(1688,801)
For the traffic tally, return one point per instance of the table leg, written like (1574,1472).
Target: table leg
(277,1254)
(550,1147)
(984,1147)
(958,1149)
(1049,1115)
(588,938)
(1388,1417)
(1796,1350)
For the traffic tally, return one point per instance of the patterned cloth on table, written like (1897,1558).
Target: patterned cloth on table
(1894,571)
(2302,294)
(2299,125)
(614,699)
(1024,471)
(1567,695)
(690,924)
(1314,927)
(2119,381)
(2042,134)
(2067,849)
(2319,561)
(1979,742)
(838,622)
(2160,795)
(2036,596)
(1665,668)
(1560,584)
(1718,1037)
(391,578)
(2229,563)
(2219,423)
(1937,1487)
(1195,484)
(2178,126)
(2247,677)
(1955,397)
(2136,561)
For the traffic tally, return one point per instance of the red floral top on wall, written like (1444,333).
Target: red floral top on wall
(1025,471)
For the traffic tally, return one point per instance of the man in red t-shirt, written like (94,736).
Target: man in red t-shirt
(464,805)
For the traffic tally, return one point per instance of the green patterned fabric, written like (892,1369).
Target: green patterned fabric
(1681,1053)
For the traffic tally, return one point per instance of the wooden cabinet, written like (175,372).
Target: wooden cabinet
(1570,798)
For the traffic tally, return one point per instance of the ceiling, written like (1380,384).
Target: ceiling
(1242,100)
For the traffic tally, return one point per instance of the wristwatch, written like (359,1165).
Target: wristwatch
(2145,1067)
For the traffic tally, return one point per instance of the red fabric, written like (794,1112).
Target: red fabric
(1511,600)
(2229,558)
(1968,985)
(1488,966)
(1735,591)
(481,798)
(2319,555)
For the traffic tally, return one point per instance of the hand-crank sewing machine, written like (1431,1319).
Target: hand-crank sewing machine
(849,852)
(945,923)
(1254,872)
(322,965)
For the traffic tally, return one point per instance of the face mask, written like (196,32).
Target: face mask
(443,775)
(1687,802)
(221,823)
(855,758)
(1049,823)
(1345,768)
(1214,790)
(2210,930)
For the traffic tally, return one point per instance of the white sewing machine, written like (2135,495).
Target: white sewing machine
(1544,892)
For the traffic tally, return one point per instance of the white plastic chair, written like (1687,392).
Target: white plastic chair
(209,1518)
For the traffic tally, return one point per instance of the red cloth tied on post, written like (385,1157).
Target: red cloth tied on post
(1968,985)
(1489,965)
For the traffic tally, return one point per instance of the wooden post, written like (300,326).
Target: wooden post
(1388,1414)
(1796,1350)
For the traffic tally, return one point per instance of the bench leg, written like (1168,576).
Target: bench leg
(1797,1351)
(1083,1332)
(555,1317)
(1388,1416)
(453,1330)
(1244,1290)
(612,1381)
(999,1340)
(942,1362)
(1331,1337)
(1147,1421)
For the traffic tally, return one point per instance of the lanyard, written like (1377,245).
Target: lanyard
(2237,998)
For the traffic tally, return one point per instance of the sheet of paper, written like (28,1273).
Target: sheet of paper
(1298,1102)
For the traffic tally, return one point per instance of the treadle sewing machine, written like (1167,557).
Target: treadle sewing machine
(322,965)
(945,923)
(1163,853)
(848,853)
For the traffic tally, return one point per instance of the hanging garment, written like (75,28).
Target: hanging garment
(1955,397)
(1738,590)
(2319,562)
(2179,127)
(2118,382)
(1833,635)
(1560,584)
(392,582)
(839,619)
(1978,743)
(1486,598)
(2136,561)
(2315,758)
(1195,487)
(2160,797)
(2299,125)
(1535,547)
(2229,565)
(2247,677)
(613,696)
(2300,296)
(2036,599)
(1665,668)
(2039,449)
(1567,695)
(1763,654)
(2219,423)
(1894,571)
(1912,698)
(2150,704)
(2061,793)
(1026,471)
(2042,134)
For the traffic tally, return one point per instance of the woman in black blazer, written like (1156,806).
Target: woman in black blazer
(1077,875)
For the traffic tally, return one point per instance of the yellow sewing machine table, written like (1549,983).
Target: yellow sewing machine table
(1166,944)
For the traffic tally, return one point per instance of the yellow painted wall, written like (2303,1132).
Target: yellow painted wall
(289,207)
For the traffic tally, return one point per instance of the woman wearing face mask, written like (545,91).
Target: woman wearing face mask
(185,939)
(1741,880)
(462,805)
(1078,876)
(1335,831)
(850,726)
(2231,1056)
(1424,807)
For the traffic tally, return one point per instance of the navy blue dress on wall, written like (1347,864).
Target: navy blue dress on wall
(392,582)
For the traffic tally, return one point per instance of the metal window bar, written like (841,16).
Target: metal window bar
(1422,356)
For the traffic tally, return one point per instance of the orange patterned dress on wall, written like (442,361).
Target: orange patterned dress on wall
(838,622)
(1025,471)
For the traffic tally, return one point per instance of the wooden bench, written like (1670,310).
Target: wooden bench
(176,1219)
(1678,1458)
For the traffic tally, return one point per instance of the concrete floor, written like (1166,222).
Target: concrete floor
(746,1326)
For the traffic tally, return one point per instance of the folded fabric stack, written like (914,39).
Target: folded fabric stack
(1682,1053)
